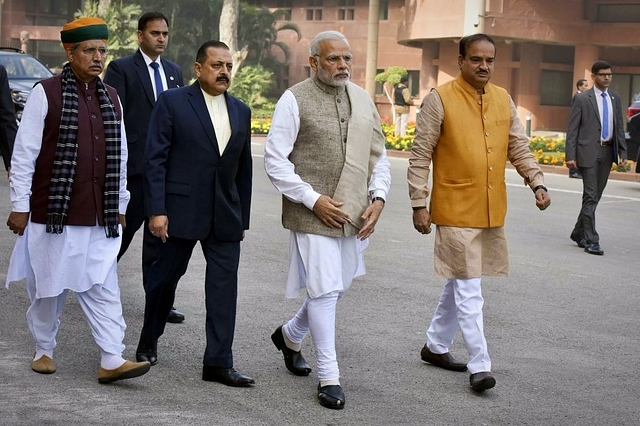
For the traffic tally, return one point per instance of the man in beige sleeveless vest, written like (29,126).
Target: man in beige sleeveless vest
(325,153)
(468,198)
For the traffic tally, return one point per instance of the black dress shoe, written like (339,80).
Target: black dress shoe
(293,360)
(581,242)
(226,376)
(147,351)
(175,316)
(594,249)
(482,381)
(445,360)
(331,396)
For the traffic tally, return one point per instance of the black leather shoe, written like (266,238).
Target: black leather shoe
(175,316)
(226,376)
(594,249)
(331,396)
(293,360)
(445,360)
(147,351)
(482,381)
(581,242)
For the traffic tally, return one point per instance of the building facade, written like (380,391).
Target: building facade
(542,46)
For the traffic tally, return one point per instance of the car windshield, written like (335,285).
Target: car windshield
(24,66)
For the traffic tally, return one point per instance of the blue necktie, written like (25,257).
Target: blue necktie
(605,117)
(156,77)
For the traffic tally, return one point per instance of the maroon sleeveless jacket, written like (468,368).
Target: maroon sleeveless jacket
(86,205)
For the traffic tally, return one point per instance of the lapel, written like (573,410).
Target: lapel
(196,99)
(591,97)
(143,75)
(170,74)
(234,120)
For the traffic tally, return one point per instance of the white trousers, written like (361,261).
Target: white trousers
(318,316)
(401,124)
(460,306)
(102,310)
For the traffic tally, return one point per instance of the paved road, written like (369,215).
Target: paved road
(562,331)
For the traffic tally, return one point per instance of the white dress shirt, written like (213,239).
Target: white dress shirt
(599,99)
(151,71)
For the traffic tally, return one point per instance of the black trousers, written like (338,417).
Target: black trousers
(136,217)
(221,291)
(594,180)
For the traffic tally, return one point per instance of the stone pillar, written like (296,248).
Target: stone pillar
(24,39)
(585,56)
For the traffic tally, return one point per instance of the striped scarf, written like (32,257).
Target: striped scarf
(64,164)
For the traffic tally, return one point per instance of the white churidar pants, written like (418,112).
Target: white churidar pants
(460,306)
(326,267)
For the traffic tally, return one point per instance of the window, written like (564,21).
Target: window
(283,81)
(50,12)
(314,10)
(556,88)
(307,72)
(346,11)
(286,7)
(379,87)
(414,83)
(383,13)
(618,13)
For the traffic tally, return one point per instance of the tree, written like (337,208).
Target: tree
(389,79)
(250,84)
(229,32)
(122,22)
(259,32)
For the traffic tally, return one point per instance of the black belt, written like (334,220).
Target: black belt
(605,143)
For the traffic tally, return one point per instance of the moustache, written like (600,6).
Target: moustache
(95,64)
(222,78)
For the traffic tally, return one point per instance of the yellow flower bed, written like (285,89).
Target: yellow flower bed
(545,150)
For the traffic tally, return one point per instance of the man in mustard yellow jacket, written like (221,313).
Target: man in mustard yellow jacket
(468,198)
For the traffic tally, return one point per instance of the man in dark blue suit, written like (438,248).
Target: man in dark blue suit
(197,184)
(8,128)
(139,78)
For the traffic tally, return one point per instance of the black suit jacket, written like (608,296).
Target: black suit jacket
(130,77)
(187,178)
(7,119)
(583,134)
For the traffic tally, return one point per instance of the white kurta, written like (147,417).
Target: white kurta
(81,256)
(285,126)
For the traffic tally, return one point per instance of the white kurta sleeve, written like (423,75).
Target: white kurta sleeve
(380,180)
(124,196)
(285,125)
(27,148)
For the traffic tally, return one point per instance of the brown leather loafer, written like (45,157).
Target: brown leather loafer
(43,365)
(482,381)
(444,360)
(128,370)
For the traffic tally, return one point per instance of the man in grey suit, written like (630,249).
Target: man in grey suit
(139,79)
(595,140)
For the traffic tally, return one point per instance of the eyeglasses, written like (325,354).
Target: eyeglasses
(91,51)
(334,59)
(605,75)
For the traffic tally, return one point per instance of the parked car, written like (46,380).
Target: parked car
(23,71)
(633,131)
